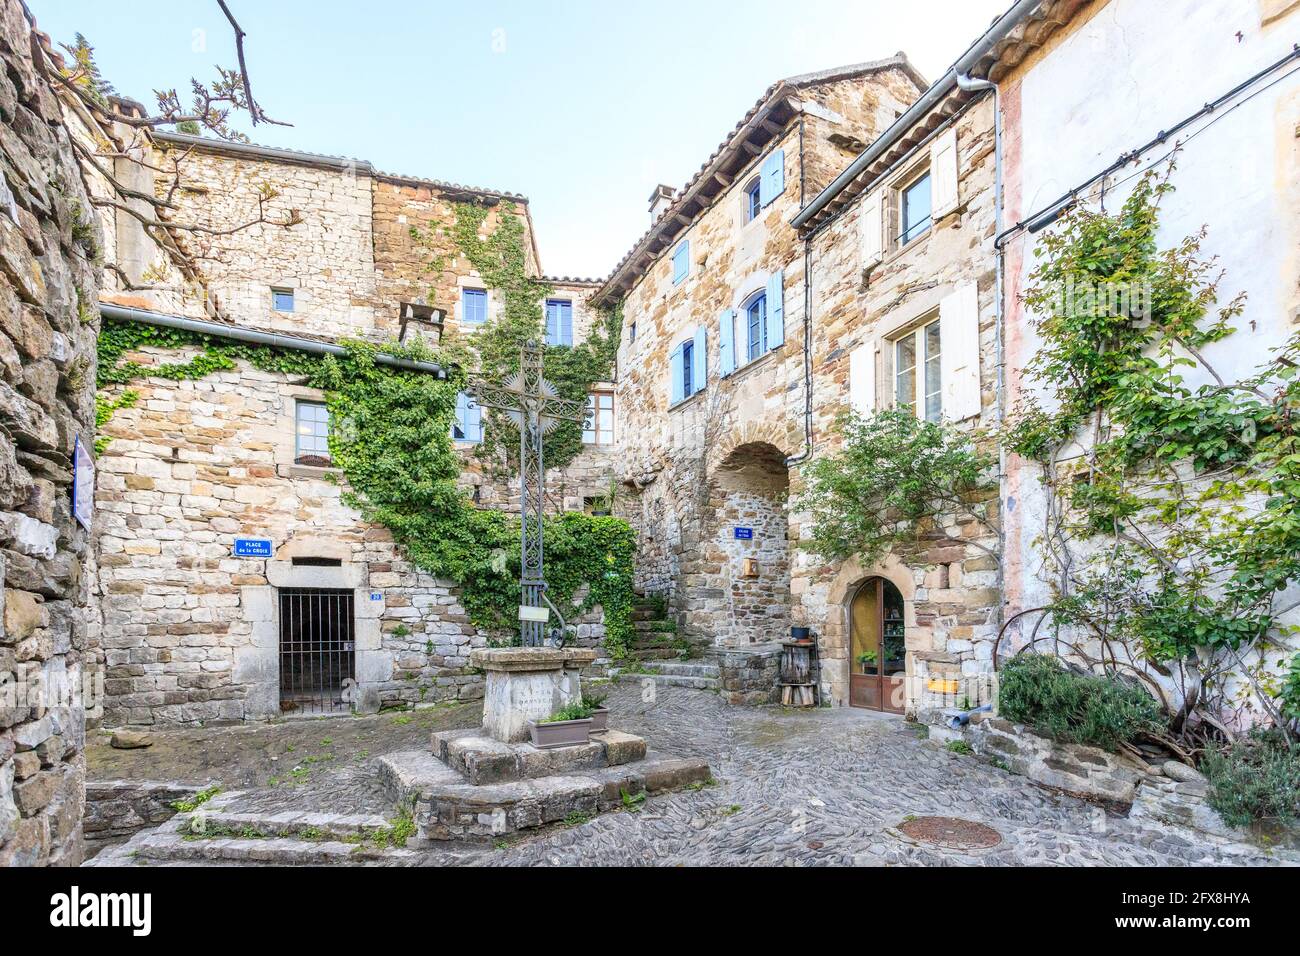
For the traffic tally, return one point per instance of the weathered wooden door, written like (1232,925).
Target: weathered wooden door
(877,650)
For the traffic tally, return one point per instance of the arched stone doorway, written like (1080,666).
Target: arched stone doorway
(747,548)
(877,647)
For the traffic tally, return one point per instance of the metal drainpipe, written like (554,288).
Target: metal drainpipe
(972,84)
(123,313)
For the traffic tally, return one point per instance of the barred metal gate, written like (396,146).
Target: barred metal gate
(317,650)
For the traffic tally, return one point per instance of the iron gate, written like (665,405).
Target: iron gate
(317,650)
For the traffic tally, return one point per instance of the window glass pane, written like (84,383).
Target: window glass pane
(559,322)
(688,362)
(474,306)
(905,372)
(916,209)
(752,206)
(311,438)
(933,386)
(588,424)
(756,327)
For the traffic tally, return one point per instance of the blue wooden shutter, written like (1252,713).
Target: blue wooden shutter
(775,310)
(700,364)
(566,323)
(474,421)
(727,342)
(681,261)
(772,183)
(552,324)
(677,391)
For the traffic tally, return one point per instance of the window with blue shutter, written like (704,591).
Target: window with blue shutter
(473,306)
(775,334)
(282,300)
(468,425)
(559,322)
(754,199)
(727,342)
(772,177)
(677,387)
(755,312)
(681,261)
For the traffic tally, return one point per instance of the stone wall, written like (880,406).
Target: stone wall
(48,279)
(949,580)
(672,457)
(118,809)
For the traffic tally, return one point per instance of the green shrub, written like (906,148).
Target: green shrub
(1255,780)
(1075,708)
(574,711)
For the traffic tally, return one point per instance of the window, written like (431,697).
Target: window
(631,333)
(917,372)
(681,261)
(688,362)
(559,322)
(598,429)
(753,199)
(755,312)
(282,300)
(473,306)
(311,435)
(468,425)
(915,209)
(688,371)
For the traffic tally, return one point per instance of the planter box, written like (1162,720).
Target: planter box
(599,720)
(560,733)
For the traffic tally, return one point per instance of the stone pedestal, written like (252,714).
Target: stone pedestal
(527,683)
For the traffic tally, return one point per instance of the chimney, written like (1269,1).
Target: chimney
(660,200)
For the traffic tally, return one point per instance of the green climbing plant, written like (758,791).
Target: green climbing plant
(392,440)
(1173,522)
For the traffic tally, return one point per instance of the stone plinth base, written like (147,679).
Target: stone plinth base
(527,683)
(482,760)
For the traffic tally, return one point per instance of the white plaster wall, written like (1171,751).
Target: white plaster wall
(1133,70)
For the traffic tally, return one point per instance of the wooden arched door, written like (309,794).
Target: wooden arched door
(877,650)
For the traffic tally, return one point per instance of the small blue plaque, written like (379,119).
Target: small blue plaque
(252,548)
(745,534)
(376,595)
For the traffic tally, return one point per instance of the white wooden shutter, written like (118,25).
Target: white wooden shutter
(943,174)
(959,352)
(862,379)
(873,230)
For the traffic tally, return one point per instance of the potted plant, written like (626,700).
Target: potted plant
(567,727)
(599,712)
(867,659)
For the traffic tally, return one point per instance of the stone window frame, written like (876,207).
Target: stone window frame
(475,283)
(892,196)
(286,445)
(290,285)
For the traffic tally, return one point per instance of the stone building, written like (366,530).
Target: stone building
(321,610)
(49,241)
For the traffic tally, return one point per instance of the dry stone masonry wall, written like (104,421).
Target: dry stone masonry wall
(49,239)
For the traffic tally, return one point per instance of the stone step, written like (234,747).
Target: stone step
(480,760)
(654,626)
(686,669)
(158,846)
(294,824)
(655,653)
(672,680)
(448,808)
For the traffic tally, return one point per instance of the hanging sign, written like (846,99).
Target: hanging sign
(744,534)
(252,548)
(540,614)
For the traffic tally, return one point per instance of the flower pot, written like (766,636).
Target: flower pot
(800,633)
(599,719)
(560,733)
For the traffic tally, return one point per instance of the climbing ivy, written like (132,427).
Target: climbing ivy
(499,255)
(1173,520)
(392,440)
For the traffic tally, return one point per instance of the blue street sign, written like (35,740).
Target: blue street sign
(252,548)
(745,534)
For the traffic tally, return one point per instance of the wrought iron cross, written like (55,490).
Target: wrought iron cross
(535,406)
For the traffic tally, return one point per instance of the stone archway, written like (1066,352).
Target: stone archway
(743,596)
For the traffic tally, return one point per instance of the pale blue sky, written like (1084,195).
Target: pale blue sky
(581,106)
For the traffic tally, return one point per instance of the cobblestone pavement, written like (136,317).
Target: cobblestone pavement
(793,788)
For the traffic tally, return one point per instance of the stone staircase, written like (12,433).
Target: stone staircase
(657,638)
(698,675)
(221,835)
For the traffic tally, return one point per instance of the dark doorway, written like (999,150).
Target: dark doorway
(878,652)
(317,650)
